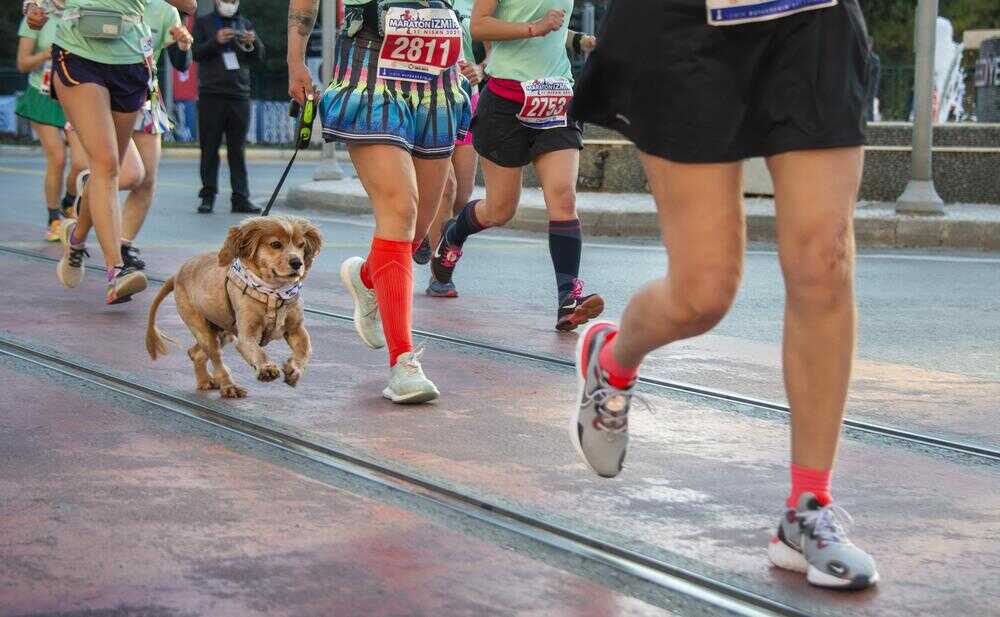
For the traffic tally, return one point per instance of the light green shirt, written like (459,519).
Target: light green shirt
(464,8)
(534,58)
(161,17)
(43,40)
(124,50)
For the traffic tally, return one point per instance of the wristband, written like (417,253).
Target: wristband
(27,3)
(577,37)
(531,31)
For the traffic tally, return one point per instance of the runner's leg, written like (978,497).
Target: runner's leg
(446,209)
(432,178)
(54,148)
(141,197)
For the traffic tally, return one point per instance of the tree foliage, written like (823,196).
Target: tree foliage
(890,23)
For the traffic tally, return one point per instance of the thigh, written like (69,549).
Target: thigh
(701,215)
(815,193)
(88,108)
(557,172)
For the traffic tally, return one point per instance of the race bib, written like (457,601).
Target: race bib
(147,53)
(46,77)
(546,102)
(419,44)
(732,12)
(231,62)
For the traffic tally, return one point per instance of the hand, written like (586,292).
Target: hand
(300,83)
(248,37)
(471,71)
(224,35)
(588,43)
(552,21)
(36,17)
(183,38)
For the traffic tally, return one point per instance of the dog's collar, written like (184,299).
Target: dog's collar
(238,273)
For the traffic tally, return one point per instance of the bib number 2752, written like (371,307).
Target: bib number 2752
(419,44)
(546,103)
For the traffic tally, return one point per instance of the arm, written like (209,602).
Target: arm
(587,42)
(486,27)
(179,58)
(301,20)
(257,53)
(188,7)
(28,61)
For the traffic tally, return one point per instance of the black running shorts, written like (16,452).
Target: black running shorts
(499,136)
(127,84)
(689,92)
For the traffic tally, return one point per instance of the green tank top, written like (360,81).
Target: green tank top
(124,50)
(43,40)
(161,16)
(535,58)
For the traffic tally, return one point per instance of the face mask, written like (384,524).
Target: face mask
(228,9)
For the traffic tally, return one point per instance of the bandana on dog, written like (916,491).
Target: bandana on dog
(288,292)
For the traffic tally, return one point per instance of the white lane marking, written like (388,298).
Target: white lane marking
(659,249)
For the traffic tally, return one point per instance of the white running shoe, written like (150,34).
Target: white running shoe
(407,382)
(367,320)
(70,268)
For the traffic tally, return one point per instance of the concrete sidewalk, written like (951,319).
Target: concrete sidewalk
(965,226)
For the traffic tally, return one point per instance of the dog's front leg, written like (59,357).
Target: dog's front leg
(249,347)
(298,340)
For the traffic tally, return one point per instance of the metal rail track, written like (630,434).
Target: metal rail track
(981,452)
(671,577)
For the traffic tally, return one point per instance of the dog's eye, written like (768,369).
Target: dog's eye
(276,245)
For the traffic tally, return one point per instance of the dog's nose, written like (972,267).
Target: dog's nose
(295,263)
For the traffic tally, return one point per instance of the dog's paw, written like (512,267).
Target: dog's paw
(268,372)
(292,373)
(232,391)
(208,384)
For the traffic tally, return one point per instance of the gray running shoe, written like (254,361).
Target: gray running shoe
(126,283)
(812,539)
(437,289)
(407,382)
(70,268)
(599,423)
(367,321)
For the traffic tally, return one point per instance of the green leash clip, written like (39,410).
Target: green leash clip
(307,116)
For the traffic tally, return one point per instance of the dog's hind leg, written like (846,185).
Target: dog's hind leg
(208,341)
(201,374)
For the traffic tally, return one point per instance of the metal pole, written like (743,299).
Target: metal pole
(920,196)
(328,168)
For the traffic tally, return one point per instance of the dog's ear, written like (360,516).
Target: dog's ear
(231,247)
(313,238)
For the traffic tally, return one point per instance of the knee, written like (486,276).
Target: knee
(705,296)
(561,202)
(401,204)
(55,158)
(493,212)
(819,270)
(104,164)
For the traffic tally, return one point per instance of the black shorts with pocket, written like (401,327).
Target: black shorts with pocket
(499,136)
(128,84)
(689,92)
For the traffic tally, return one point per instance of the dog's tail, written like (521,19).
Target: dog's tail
(155,339)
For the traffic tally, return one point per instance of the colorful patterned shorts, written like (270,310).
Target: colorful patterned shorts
(359,108)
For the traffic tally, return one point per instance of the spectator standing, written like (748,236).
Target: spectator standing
(225,45)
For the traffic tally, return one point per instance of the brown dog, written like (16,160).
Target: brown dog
(249,291)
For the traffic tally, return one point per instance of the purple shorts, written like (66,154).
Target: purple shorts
(128,84)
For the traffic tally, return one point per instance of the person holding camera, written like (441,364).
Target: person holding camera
(225,45)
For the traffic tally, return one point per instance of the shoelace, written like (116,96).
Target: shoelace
(76,256)
(826,524)
(614,422)
(570,299)
(412,364)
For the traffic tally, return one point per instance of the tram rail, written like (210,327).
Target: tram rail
(977,451)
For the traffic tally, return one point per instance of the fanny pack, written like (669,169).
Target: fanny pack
(101,23)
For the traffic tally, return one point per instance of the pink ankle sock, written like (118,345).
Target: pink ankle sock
(805,480)
(618,376)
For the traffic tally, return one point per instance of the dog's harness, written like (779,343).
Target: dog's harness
(273,299)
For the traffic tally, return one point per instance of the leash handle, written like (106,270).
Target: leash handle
(303,136)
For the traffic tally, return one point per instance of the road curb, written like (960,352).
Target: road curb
(181,152)
(876,225)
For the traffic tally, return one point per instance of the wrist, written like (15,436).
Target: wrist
(531,30)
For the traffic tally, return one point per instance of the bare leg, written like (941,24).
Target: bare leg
(431,179)
(444,210)
(105,137)
(701,219)
(77,162)
(557,172)
(388,176)
(464,163)
(815,193)
(503,193)
(141,197)
(55,160)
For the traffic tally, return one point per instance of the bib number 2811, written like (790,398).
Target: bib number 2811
(546,103)
(419,44)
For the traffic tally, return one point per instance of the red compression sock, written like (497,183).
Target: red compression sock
(805,480)
(366,275)
(390,269)
(619,376)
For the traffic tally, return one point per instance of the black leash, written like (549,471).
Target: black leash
(307,116)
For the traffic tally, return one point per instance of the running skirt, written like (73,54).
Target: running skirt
(40,108)
(425,119)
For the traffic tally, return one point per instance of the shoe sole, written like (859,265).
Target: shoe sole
(787,558)
(591,308)
(410,399)
(448,294)
(345,278)
(133,285)
(581,383)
